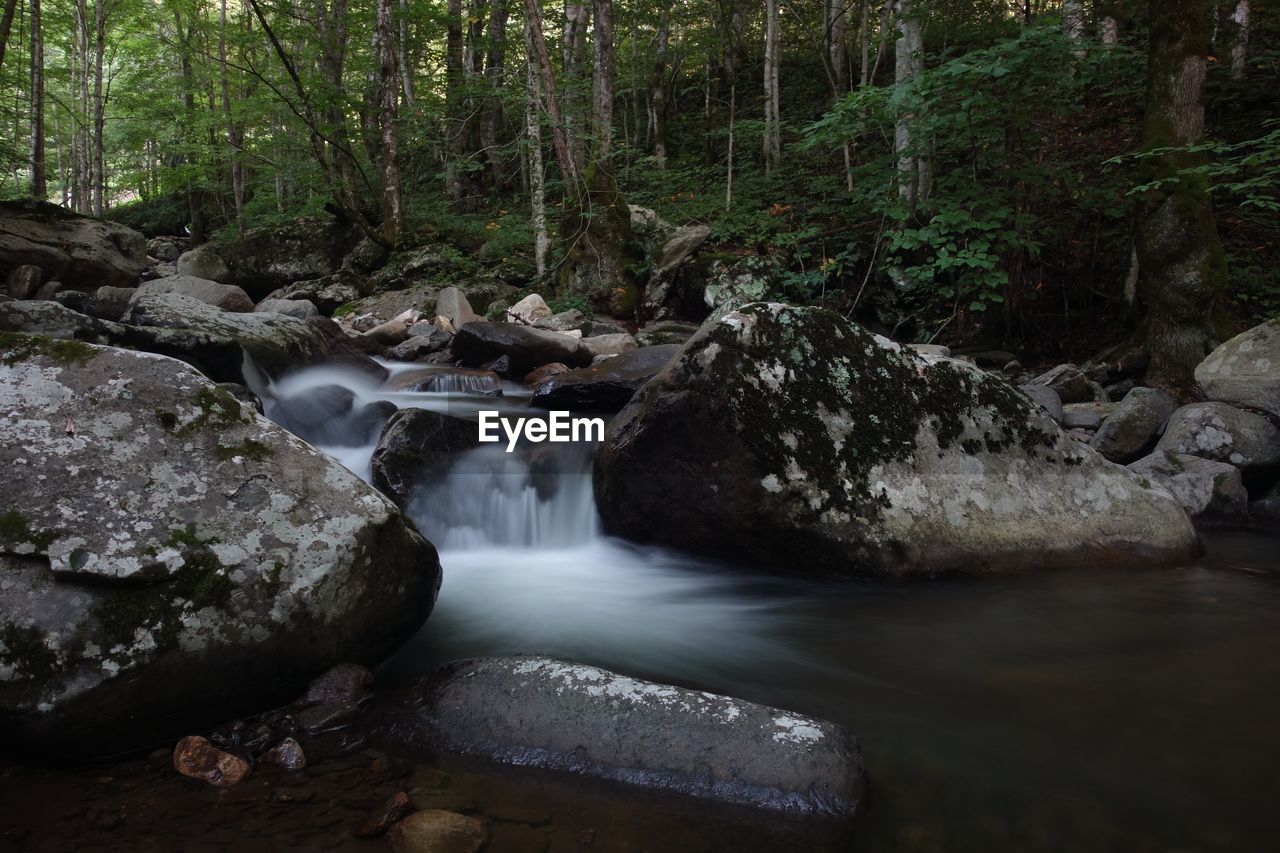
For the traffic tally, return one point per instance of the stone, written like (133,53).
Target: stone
(287,755)
(386,815)
(1072,385)
(109,303)
(931,349)
(327,717)
(602,325)
(49,290)
(346,682)
(328,293)
(263,259)
(1207,489)
(81,252)
(300,308)
(477,343)
(390,333)
(23,282)
(539,375)
(228,297)
(1245,371)
(174,559)
(196,758)
(562,716)
(437,831)
(601,345)
(203,262)
(605,387)
(566,321)
(167,249)
(528,311)
(1046,398)
(1223,433)
(990,358)
(415,445)
(419,346)
(679,249)
(749,280)
(1133,426)
(666,332)
(243,394)
(1084,415)
(453,306)
(779,429)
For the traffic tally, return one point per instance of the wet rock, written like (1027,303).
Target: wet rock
(1072,385)
(419,346)
(604,387)
(453,307)
(437,831)
(348,351)
(203,262)
(779,429)
(667,332)
(1046,398)
(196,758)
(571,717)
(396,808)
(287,754)
(449,380)
(81,252)
(300,308)
(346,682)
(327,717)
(23,282)
(228,297)
(1245,371)
(566,321)
(500,366)
(1224,433)
(538,376)
(477,343)
(416,445)
(1207,489)
(528,311)
(1131,429)
(178,559)
(243,394)
(608,345)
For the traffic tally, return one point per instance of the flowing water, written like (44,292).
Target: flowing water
(1093,710)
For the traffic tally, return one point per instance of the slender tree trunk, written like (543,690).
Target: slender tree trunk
(836,32)
(233,134)
(1073,25)
(913,168)
(537,177)
(99,181)
(6,25)
(495,68)
(568,170)
(658,92)
(406,68)
(577,17)
(864,43)
(1109,22)
(84,168)
(455,106)
(388,83)
(1240,38)
(1182,272)
(728,175)
(39,188)
(772,119)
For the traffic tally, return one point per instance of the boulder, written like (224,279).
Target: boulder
(217,340)
(572,320)
(1071,384)
(328,293)
(1046,398)
(1224,433)
(1131,429)
(665,332)
(330,415)
(171,559)
(165,249)
(938,349)
(1085,415)
(300,308)
(1245,371)
(749,280)
(228,297)
(552,714)
(263,259)
(684,243)
(780,430)
(107,303)
(604,387)
(1208,490)
(420,344)
(453,307)
(418,444)
(81,252)
(528,311)
(23,282)
(203,262)
(608,345)
(526,347)
(602,325)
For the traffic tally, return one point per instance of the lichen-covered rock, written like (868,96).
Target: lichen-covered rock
(202,262)
(541,712)
(228,297)
(81,252)
(168,558)
(300,308)
(1209,490)
(781,431)
(1044,397)
(1134,424)
(263,259)
(749,280)
(604,387)
(659,299)
(1245,371)
(1223,433)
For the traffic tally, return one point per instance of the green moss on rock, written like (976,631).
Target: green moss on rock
(16,347)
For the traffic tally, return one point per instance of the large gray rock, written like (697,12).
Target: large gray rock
(1046,398)
(659,299)
(1224,433)
(203,262)
(417,445)
(665,332)
(263,259)
(170,558)
(780,431)
(228,297)
(609,345)
(604,387)
(300,308)
(540,712)
(1070,383)
(453,308)
(80,252)
(1245,370)
(748,280)
(1209,490)
(328,293)
(1132,427)
(526,347)
(23,282)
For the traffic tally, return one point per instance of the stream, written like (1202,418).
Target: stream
(1093,710)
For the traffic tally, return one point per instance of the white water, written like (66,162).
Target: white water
(526,566)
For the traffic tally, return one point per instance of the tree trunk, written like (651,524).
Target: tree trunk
(658,92)
(1109,22)
(537,177)
(233,135)
(533,19)
(406,68)
(39,188)
(1239,38)
(1073,25)
(577,17)
(913,167)
(835,33)
(6,25)
(388,83)
(772,120)
(495,67)
(1181,268)
(98,181)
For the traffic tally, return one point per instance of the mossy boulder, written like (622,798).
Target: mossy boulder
(169,558)
(81,252)
(262,260)
(792,438)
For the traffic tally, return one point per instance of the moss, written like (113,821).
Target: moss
(248,449)
(217,409)
(25,651)
(345,309)
(14,528)
(15,348)
(168,420)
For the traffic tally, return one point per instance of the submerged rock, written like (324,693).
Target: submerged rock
(81,252)
(437,831)
(779,431)
(170,558)
(604,387)
(1245,371)
(557,715)
(415,445)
